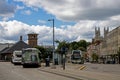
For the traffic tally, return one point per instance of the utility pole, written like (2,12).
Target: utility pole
(53,39)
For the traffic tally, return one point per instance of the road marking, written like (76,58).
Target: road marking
(82,67)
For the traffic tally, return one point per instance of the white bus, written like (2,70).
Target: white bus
(30,57)
(17,57)
(77,57)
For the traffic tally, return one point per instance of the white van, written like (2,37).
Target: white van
(17,57)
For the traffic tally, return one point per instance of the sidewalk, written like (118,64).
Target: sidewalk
(85,74)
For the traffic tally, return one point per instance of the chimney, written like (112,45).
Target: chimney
(20,38)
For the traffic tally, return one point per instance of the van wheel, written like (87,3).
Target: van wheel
(24,66)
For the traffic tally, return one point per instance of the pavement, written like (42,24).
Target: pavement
(85,71)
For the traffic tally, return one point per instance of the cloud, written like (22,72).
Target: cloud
(101,13)
(75,10)
(26,12)
(11,30)
(41,21)
(19,7)
(87,13)
(6,10)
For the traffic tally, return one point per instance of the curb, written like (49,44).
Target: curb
(65,74)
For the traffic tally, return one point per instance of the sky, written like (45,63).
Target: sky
(74,19)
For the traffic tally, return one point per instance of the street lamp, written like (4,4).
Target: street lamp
(53,38)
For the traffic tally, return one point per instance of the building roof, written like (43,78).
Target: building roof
(33,33)
(4,45)
(18,46)
(4,50)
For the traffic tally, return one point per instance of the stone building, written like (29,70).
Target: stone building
(106,46)
(95,45)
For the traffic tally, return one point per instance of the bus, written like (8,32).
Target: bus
(30,57)
(17,57)
(77,57)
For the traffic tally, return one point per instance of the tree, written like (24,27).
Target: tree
(43,54)
(83,43)
(82,48)
(94,57)
(62,44)
(74,45)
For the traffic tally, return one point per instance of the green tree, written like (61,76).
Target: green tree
(88,43)
(74,45)
(83,43)
(62,44)
(43,54)
(94,57)
(82,48)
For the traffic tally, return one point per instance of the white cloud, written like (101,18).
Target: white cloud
(102,12)
(87,14)
(19,7)
(27,12)
(75,10)
(6,10)
(41,21)
(11,30)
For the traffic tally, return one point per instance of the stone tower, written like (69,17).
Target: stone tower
(32,39)
(97,34)
(106,32)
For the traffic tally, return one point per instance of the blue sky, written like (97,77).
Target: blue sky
(74,19)
(35,17)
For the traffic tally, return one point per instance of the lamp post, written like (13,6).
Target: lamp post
(53,38)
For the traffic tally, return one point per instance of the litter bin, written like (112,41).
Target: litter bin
(56,61)
(47,61)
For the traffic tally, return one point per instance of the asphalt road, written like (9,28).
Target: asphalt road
(10,72)
(101,68)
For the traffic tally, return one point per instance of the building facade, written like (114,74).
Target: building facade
(106,46)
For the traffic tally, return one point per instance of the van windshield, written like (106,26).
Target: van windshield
(33,57)
(29,51)
(19,55)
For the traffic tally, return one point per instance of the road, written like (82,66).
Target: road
(10,72)
(90,72)
(101,68)
(72,72)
